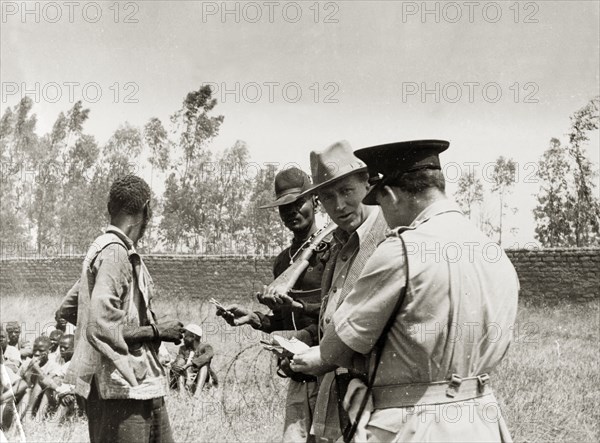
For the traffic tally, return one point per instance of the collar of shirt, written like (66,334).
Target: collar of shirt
(129,241)
(436,208)
(371,212)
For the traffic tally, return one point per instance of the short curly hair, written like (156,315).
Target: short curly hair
(42,339)
(128,195)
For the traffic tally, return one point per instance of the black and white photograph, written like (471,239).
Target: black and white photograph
(299,221)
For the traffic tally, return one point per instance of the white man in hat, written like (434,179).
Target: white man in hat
(193,360)
(341,182)
(433,310)
(296,312)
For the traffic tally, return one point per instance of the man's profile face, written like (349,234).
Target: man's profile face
(299,215)
(66,348)
(3,341)
(144,219)
(54,338)
(394,203)
(40,350)
(14,332)
(343,202)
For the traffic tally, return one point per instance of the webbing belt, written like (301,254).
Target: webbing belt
(419,394)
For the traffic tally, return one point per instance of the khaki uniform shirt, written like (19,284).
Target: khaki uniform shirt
(456,318)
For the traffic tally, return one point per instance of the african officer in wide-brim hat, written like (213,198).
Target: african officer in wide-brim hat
(296,312)
(289,185)
(450,296)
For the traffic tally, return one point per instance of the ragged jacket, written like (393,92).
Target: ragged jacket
(114,292)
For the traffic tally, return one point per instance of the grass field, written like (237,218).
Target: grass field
(548,386)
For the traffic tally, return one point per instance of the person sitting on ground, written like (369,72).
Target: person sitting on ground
(12,357)
(58,395)
(13,330)
(193,361)
(55,337)
(8,385)
(10,362)
(34,370)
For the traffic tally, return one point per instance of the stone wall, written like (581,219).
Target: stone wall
(551,274)
(560,273)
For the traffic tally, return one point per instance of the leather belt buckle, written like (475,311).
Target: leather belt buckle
(453,386)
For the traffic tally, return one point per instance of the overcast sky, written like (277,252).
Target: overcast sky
(361,69)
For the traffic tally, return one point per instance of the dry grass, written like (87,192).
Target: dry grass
(549,386)
(550,383)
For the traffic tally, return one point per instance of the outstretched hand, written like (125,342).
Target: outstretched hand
(236,315)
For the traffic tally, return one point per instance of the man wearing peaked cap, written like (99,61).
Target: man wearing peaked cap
(340,180)
(390,161)
(423,317)
(296,312)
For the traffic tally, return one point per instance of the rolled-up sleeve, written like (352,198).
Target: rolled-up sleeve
(360,319)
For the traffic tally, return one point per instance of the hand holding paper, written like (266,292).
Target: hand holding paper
(284,347)
(310,362)
(292,345)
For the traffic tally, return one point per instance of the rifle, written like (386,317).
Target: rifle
(286,281)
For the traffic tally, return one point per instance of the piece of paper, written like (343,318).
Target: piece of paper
(293,345)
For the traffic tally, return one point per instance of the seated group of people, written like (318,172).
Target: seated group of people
(32,376)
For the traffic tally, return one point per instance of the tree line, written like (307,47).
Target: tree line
(54,187)
(567,213)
